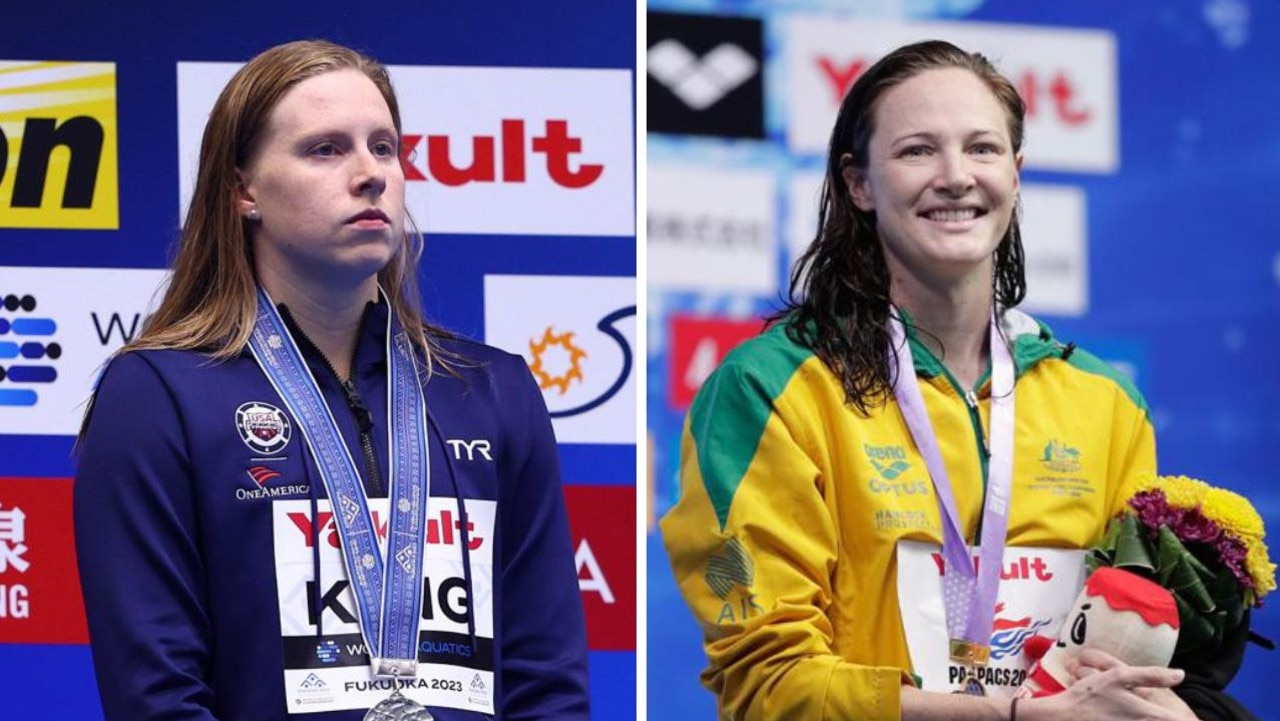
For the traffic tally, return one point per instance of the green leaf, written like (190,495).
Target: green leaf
(1196,631)
(1131,550)
(1227,596)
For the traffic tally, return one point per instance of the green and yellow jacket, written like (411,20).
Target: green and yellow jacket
(792,504)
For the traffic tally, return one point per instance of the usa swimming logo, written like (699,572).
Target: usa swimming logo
(263,427)
(26,354)
(1009,635)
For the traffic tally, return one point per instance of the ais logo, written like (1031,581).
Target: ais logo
(58,145)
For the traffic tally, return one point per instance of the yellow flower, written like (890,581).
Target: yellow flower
(1260,568)
(1180,491)
(1233,513)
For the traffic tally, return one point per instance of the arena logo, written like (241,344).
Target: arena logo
(704,75)
(889,461)
(700,81)
(552,147)
(52,107)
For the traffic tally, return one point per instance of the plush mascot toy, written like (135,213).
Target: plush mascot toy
(1127,616)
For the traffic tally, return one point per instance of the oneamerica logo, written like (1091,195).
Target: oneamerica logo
(248,494)
(263,427)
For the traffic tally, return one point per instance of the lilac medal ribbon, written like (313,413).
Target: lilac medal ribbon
(969,593)
(388,591)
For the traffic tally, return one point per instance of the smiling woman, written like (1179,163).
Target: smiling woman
(367,572)
(848,459)
(942,187)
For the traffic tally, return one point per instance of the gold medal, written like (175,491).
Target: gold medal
(969,653)
(972,656)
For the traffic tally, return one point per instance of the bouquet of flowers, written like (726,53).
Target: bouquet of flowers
(1205,545)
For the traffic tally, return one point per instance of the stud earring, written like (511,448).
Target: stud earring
(253,214)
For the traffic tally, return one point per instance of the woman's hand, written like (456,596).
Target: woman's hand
(1092,662)
(1106,688)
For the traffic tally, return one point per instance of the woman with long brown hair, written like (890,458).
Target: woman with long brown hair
(272,514)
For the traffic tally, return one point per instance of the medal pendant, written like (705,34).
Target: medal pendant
(971,686)
(969,653)
(397,707)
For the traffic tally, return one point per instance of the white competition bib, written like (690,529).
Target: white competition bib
(332,672)
(1037,589)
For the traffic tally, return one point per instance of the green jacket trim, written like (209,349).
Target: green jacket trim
(727,442)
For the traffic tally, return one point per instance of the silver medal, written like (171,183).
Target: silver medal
(397,707)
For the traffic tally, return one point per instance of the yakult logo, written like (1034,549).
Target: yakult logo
(552,148)
(1066,77)
(504,157)
(443,528)
(1047,91)
(1023,569)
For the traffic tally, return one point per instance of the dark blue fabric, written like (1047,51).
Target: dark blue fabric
(178,573)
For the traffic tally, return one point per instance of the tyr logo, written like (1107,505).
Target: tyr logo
(480,446)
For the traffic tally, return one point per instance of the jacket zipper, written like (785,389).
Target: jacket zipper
(971,399)
(363,418)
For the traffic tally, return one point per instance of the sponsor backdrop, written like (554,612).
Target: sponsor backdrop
(1149,181)
(519,155)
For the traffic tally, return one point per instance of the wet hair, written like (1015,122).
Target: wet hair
(211,300)
(838,302)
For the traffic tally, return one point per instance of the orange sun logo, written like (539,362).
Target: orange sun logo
(564,356)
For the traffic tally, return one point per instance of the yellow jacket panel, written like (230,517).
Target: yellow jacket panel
(784,539)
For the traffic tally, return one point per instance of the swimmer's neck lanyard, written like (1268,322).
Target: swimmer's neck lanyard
(969,593)
(388,591)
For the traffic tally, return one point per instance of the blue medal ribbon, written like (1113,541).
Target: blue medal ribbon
(388,591)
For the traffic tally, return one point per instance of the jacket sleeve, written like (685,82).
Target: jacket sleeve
(754,547)
(1133,447)
(544,638)
(140,562)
